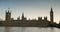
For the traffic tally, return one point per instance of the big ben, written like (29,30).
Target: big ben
(51,15)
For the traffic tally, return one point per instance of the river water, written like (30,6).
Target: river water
(29,29)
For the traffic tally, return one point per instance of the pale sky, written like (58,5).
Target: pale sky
(32,8)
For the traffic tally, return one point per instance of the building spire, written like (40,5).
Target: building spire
(8,10)
(22,15)
(51,10)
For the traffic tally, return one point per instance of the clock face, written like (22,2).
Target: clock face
(51,13)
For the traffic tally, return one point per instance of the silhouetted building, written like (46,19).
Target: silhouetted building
(25,19)
(51,15)
(24,22)
(39,18)
(18,18)
(45,18)
(22,16)
(8,16)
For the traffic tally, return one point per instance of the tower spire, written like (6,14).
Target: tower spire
(22,15)
(51,10)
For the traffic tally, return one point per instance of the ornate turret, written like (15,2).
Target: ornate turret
(39,18)
(22,16)
(45,18)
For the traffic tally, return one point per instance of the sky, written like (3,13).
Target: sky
(32,8)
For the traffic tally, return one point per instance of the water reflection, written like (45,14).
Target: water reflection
(7,29)
(29,29)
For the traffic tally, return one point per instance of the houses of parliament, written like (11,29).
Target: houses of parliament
(27,23)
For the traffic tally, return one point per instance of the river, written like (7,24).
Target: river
(29,29)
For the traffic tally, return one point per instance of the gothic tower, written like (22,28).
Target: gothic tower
(8,16)
(51,15)
(22,16)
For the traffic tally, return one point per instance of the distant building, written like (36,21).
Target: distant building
(8,16)
(18,18)
(39,18)
(51,15)
(23,18)
(24,22)
(45,18)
